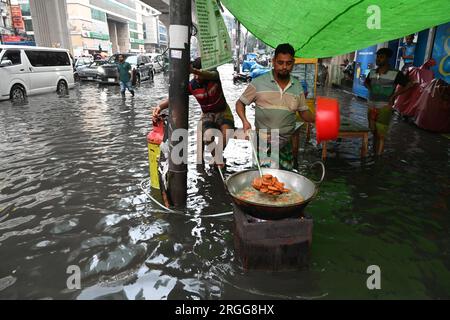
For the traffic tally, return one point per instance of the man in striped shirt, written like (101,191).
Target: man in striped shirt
(382,83)
(278,97)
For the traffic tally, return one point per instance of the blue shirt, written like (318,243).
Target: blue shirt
(409,51)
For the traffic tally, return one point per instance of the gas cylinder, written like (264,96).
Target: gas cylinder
(154,140)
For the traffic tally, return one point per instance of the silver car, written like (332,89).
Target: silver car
(158,61)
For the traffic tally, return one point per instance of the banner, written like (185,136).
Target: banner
(441,52)
(213,38)
(8,38)
(16,15)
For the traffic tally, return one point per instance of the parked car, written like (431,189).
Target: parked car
(28,70)
(159,61)
(142,69)
(82,62)
(90,72)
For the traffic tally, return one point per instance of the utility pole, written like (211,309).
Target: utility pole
(246,42)
(237,67)
(179,53)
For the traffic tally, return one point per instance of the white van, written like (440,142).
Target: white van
(33,70)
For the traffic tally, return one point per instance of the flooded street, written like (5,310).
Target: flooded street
(70,170)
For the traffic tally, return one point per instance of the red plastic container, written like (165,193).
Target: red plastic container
(328,119)
(157,134)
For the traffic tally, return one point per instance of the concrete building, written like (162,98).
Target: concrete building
(27,19)
(50,23)
(150,25)
(101,25)
(88,27)
(92,26)
(163,7)
(163,37)
(162,24)
(111,26)
(5,22)
(16,29)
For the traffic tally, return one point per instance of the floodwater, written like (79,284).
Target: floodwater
(70,170)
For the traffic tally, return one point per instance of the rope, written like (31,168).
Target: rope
(144,187)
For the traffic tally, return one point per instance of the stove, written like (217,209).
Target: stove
(273,245)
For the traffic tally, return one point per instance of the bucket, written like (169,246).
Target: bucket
(327,119)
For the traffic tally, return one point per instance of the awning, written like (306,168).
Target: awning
(325,28)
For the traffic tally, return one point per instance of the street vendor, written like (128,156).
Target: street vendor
(278,97)
(381,83)
(206,87)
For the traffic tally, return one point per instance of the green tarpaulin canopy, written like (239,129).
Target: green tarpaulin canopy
(325,28)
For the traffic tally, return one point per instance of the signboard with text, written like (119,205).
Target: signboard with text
(213,38)
(16,16)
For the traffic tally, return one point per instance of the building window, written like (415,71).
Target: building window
(47,58)
(98,15)
(133,26)
(134,35)
(28,25)
(135,46)
(13,56)
(26,11)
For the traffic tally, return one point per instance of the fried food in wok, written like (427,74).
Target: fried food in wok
(270,185)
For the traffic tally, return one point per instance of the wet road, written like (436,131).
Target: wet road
(70,170)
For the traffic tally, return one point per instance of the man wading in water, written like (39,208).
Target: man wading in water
(124,76)
(381,84)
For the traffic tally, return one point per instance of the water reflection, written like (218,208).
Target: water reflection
(70,170)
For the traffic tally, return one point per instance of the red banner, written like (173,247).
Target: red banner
(16,11)
(6,38)
(16,14)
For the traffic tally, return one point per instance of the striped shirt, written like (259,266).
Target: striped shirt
(275,108)
(382,86)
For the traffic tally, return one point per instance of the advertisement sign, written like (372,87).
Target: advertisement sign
(94,35)
(16,11)
(441,52)
(16,15)
(213,38)
(7,38)
(138,41)
(365,61)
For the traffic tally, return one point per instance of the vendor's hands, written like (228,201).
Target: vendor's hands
(156,111)
(247,127)
(191,69)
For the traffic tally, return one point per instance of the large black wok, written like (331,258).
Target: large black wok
(294,181)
